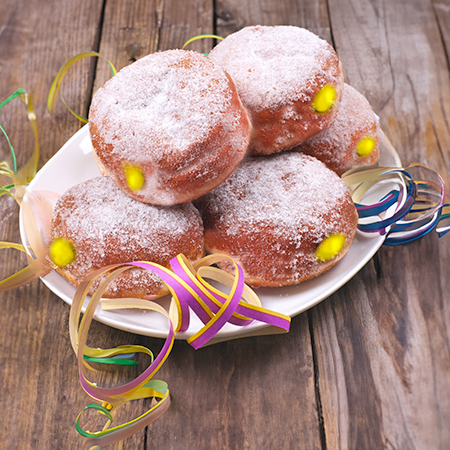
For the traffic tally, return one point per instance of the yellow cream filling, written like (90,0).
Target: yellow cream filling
(365,146)
(62,252)
(330,247)
(134,177)
(324,99)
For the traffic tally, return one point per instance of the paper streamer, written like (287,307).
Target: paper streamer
(201,36)
(414,206)
(36,208)
(112,398)
(16,177)
(56,85)
(190,291)
(188,286)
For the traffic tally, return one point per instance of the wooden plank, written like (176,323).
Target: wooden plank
(381,342)
(31,58)
(183,20)
(442,12)
(130,32)
(400,65)
(233,15)
(219,397)
(252,393)
(37,366)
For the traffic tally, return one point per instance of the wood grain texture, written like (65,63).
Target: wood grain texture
(246,394)
(383,355)
(37,371)
(183,20)
(442,12)
(233,15)
(382,341)
(32,53)
(131,31)
(393,53)
(369,368)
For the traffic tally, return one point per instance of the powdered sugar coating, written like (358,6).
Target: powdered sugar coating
(267,62)
(336,145)
(107,227)
(278,71)
(272,213)
(177,116)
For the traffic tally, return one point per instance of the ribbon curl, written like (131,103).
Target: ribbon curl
(35,208)
(18,178)
(56,85)
(112,398)
(415,206)
(201,36)
(189,288)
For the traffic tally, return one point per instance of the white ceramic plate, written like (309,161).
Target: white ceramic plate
(74,163)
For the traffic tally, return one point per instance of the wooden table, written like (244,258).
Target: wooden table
(368,368)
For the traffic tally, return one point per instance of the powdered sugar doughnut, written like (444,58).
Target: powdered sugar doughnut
(169,127)
(101,225)
(289,80)
(284,218)
(351,140)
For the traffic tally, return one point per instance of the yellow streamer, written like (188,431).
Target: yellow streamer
(25,174)
(201,36)
(56,85)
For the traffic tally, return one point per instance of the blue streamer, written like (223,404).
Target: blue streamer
(415,214)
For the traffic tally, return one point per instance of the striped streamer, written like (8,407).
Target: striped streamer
(414,205)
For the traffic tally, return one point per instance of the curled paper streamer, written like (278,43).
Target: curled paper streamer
(201,36)
(112,398)
(410,210)
(17,178)
(189,288)
(213,307)
(35,209)
(56,85)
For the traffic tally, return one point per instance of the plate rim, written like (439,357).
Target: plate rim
(225,333)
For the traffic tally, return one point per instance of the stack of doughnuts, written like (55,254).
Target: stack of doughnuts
(255,136)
